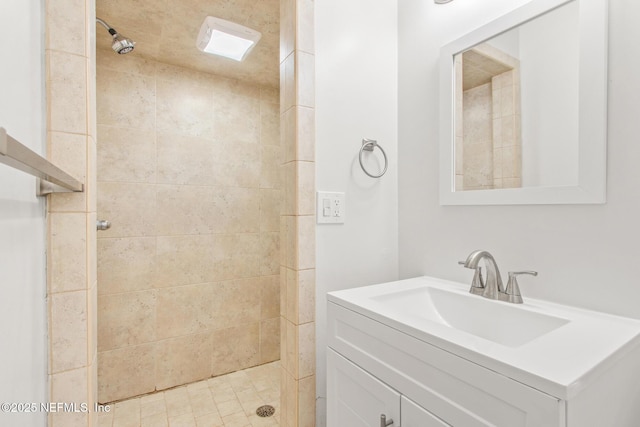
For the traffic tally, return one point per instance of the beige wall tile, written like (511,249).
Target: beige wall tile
(270,167)
(69,152)
(292,296)
(235,302)
(269,297)
(131,64)
(270,95)
(305,188)
(305,133)
(270,253)
(183,360)
(126,100)
(65,28)
(306,246)
(307,402)
(67,92)
(283,290)
(306,296)
(235,348)
(184,107)
(126,372)
(184,310)
(126,154)
(69,329)
(269,340)
(126,264)
(305,79)
(129,207)
(202,210)
(287,28)
(304,25)
(291,416)
(236,118)
(92,255)
(289,69)
(270,122)
(126,319)
(68,252)
(292,349)
(270,208)
(91,184)
(70,386)
(306,349)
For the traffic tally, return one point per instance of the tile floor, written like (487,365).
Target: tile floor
(226,401)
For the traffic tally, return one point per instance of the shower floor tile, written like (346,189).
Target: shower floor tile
(226,401)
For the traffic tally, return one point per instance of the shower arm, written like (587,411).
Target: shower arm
(107,26)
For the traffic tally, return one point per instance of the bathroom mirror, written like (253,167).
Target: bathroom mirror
(523,108)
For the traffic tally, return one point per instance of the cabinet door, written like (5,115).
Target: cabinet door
(355,398)
(416,416)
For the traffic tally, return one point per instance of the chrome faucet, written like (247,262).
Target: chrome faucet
(493,287)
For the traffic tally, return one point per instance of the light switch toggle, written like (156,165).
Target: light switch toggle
(330,208)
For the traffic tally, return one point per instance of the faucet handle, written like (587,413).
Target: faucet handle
(512,293)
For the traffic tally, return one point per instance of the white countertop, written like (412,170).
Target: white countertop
(561,362)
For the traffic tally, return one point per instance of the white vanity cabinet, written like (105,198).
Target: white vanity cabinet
(437,387)
(425,352)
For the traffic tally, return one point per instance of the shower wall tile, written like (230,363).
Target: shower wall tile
(126,264)
(184,310)
(269,340)
(183,108)
(270,208)
(126,372)
(235,348)
(68,239)
(270,297)
(269,122)
(305,79)
(270,167)
(131,64)
(65,29)
(306,349)
(236,302)
(126,154)
(270,253)
(189,175)
(67,92)
(307,402)
(236,119)
(68,331)
(69,152)
(287,28)
(118,312)
(126,100)
(183,360)
(304,19)
(306,296)
(129,207)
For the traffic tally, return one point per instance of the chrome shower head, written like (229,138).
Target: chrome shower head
(121,44)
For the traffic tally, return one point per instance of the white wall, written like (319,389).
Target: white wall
(23,331)
(586,255)
(356,97)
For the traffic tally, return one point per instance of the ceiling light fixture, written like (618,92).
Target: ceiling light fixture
(225,38)
(441,1)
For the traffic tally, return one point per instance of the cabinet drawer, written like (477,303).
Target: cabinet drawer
(455,390)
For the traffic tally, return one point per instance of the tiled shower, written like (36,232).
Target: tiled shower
(188,171)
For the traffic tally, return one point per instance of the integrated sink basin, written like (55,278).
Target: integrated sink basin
(555,348)
(493,320)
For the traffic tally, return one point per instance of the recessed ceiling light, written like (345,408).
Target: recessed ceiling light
(225,38)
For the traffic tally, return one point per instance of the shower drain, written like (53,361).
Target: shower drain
(265,411)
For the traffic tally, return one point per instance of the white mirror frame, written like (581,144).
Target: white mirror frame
(592,165)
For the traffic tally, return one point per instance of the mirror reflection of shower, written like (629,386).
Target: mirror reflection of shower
(121,44)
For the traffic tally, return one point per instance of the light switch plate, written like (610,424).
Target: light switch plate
(330,207)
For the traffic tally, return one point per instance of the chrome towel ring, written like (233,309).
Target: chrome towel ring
(369,145)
